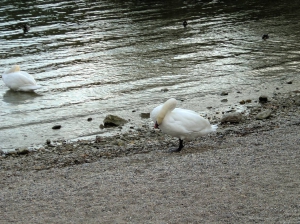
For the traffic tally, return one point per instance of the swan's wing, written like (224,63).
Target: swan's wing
(189,120)
(28,77)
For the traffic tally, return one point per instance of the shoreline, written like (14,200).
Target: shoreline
(147,139)
(34,135)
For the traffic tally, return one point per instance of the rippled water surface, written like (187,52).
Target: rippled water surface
(114,57)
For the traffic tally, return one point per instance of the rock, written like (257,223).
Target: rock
(263,115)
(113,121)
(145,115)
(56,127)
(248,101)
(242,102)
(164,90)
(232,117)
(89,119)
(48,141)
(23,151)
(11,153)
(263,99)
(98,139)
(224,100)
(101,126)
(289,82)
(224,93)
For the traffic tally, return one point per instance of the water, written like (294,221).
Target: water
(114,57)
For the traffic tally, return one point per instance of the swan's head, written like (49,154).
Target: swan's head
(168,106)
(15,68)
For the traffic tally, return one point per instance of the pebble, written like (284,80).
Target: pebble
(263,99)
(56,127)
(145,115)
(234,117)
(113,120)
(264,114)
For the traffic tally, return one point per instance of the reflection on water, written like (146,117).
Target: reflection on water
(96,58)
(14,97)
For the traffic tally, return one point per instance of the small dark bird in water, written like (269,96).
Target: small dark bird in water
(25,28)
(265,36)
(184,23)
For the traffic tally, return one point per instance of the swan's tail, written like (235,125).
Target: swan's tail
(209,129)
(214,127)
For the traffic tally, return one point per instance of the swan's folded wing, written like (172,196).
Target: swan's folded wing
(190,120)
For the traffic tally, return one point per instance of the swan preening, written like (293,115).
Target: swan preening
(181,123)
(18,80)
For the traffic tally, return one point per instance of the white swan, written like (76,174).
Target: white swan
(181,123)
(18,80)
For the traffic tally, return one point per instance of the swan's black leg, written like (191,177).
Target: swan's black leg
(179,148)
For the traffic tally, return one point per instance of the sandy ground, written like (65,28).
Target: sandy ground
(245,173)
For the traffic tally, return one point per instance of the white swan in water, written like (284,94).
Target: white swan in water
(18,80)
(181,123)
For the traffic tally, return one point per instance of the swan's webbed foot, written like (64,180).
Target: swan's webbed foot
(179,148)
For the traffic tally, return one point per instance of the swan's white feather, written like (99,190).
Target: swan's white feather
(181,123)
(19,80)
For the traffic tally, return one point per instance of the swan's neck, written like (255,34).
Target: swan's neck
(15,68)
(168,106)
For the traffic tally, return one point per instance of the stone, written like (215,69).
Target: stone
(23,151)
(289,82)
(56,127)
(113,121)
(224,93)
(232,117)
(48,141)
(11,153)
(224,100)
(263,99)
(264,114)
(145,115)
(89,119)
(165,90)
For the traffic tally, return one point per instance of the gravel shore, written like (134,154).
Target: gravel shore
(247,172)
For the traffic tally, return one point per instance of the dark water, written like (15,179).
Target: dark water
(113,57)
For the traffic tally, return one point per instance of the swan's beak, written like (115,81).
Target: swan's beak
(156,125)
